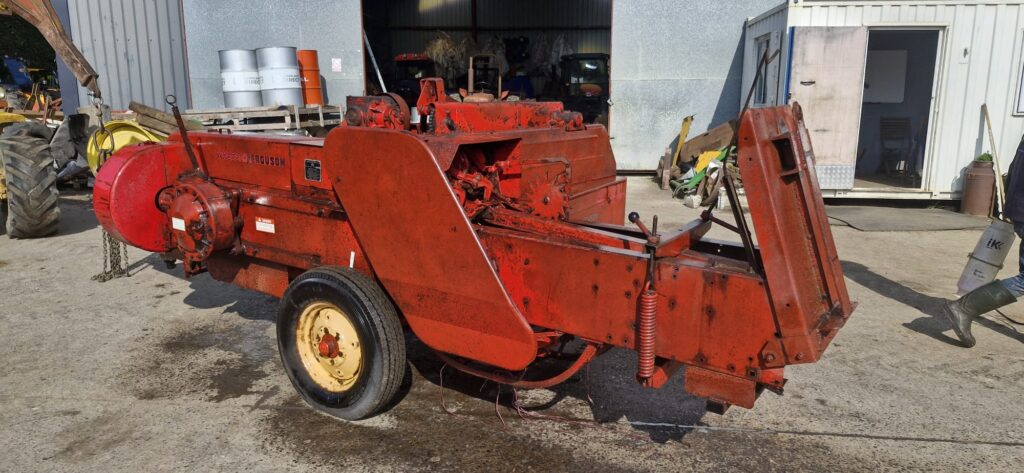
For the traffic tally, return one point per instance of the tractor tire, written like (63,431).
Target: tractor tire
(31,182)
(341,342)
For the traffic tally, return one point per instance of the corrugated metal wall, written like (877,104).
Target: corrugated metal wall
(332,27)
(981,62)
(135,46)
(585,23)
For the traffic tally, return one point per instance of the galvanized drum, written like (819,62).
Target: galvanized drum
(240,78)
(280,81)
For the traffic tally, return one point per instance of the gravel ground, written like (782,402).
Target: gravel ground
(157,373)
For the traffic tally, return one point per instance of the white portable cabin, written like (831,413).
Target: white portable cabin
(892,92)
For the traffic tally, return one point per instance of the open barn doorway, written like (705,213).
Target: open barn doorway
(899,77)
(540,50)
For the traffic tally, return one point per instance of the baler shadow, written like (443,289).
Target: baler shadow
(208,293)
(607,386)
(935,324)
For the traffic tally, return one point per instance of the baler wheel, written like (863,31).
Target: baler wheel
(341,342)
(31,182)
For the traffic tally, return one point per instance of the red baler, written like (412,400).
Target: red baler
(495,231)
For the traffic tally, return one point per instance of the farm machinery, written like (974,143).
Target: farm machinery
(30,151)
(495,232)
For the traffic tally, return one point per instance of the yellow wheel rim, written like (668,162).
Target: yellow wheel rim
(329,347)
(114,135)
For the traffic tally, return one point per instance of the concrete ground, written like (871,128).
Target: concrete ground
(156,373)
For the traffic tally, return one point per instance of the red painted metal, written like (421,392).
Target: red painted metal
(801,265)
(497,230)
(135,171)
(452,299)
(202,219)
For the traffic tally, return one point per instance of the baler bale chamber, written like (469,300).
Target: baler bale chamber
(495,232)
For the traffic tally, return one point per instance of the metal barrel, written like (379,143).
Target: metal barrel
(309,65)
(240,78)
(280,81)
(979,185)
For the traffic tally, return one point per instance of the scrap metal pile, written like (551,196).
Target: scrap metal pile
(495,231)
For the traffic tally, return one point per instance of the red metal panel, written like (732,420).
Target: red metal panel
(713,312)
(721,388)
(457,117)
(800,261)
(251,273)
(311,239)
(124,193)
(255,160)
(306,167)
(423,249)
(605,204)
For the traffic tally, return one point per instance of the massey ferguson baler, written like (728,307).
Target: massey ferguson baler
(495,231)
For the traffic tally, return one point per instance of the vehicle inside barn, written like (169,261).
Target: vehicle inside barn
(539,50)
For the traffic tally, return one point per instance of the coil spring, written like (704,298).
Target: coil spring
(646,330)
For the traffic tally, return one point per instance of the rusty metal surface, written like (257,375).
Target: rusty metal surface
(497,243)
(424,249)
(799,255)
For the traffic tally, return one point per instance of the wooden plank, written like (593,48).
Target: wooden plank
(154,124)
(246,115)
(163,116)
(252,127)
(715,138)
(54,115)
(289,108)
(230,110)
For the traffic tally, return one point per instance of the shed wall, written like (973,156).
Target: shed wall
(670,60)
(136,47)
(332,27)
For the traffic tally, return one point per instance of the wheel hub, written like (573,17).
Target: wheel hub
(329,346)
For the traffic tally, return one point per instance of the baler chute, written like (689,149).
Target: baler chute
(495,231)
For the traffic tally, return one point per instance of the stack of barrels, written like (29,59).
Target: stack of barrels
(272,76)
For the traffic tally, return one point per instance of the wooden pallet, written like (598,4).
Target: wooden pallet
(287,117)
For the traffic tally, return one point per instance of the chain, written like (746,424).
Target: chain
(115,259)
(115,252)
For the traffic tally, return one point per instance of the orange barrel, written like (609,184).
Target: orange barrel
(309,67)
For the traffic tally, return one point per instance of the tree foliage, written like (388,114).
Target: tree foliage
(20,39)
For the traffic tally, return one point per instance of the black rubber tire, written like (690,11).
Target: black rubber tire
(380,334)
(32,208)
(3,216)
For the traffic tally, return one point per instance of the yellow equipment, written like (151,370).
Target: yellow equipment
(6,118)
(114,135)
